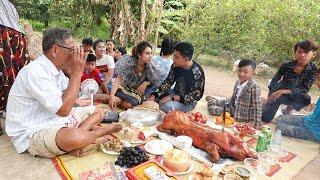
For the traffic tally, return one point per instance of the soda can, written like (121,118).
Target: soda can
(268,134)
(266,127)
(261,144)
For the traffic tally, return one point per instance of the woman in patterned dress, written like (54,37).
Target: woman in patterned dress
(135,73)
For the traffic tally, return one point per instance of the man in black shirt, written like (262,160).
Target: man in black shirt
(292,82)
(189,80)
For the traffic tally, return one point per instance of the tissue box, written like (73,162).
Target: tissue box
(138,172)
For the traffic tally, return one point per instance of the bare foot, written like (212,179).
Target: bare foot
(114,127)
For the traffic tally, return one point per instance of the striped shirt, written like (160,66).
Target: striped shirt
(9,16)
(34,99)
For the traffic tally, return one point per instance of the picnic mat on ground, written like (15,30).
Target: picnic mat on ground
(70,167)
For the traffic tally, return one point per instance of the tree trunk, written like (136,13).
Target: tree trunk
(91,14)
(129,23)
(143,15)
(114,25)
(159,18)
(121,29)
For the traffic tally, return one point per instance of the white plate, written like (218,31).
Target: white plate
(181,173)
(157,147)
(110,152)
(139,142)
(215,126)
(125,144)
(251,135)
(214,120)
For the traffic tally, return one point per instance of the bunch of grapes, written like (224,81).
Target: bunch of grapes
(131,156)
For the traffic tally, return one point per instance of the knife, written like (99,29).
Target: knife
(224,115)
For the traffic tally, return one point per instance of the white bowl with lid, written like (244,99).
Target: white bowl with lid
(184,142)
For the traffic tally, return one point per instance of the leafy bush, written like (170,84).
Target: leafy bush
(263,30)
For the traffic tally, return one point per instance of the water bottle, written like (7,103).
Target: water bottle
(276,141)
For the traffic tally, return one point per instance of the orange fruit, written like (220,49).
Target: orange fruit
(219,120)
(227,115)
(232,120)
(229,122)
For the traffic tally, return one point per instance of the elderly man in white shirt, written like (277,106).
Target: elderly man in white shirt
(40,114)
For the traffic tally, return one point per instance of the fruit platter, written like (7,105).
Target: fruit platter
(198,117)
(229,121)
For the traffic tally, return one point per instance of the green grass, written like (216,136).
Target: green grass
(215,61)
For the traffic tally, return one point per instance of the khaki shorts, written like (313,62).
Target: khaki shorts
(43,143)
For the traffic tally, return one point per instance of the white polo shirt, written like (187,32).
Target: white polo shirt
(34,99)
(240,88)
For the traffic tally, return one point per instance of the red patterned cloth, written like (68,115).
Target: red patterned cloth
(13,57)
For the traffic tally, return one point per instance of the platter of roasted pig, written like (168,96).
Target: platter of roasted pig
(216,142)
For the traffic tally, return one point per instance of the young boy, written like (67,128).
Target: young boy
(302,127)
(91,72)
(87,45)
(292,82)
(245,103)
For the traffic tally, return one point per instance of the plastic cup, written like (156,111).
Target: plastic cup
(263,165)
(251,162)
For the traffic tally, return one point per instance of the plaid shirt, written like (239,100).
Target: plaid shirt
(286,78)
(248,106)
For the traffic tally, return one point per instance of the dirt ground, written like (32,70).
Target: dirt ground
(221,83)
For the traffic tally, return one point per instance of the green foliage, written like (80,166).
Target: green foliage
(264,30)
(75,15)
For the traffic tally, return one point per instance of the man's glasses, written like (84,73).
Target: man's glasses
(70,49)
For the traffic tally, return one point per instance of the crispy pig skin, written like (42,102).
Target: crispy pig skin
(214,141)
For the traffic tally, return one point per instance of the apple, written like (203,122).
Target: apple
(198,114)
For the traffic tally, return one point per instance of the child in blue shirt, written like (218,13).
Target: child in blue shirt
(302,127)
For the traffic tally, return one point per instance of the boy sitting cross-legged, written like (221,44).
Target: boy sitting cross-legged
(245,104)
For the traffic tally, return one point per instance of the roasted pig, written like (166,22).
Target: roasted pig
(214,141)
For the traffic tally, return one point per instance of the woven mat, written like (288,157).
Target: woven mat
(70,167)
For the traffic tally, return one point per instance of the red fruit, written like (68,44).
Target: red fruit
(204,120)
(198,114)
(198,119)
(192,117)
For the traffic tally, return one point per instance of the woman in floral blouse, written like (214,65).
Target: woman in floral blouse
(189,78)
(135,73)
